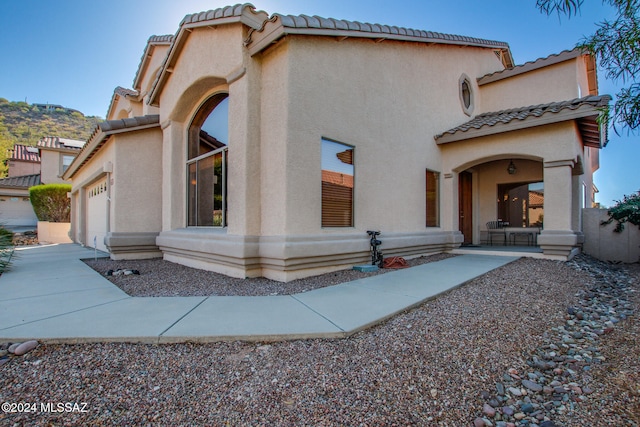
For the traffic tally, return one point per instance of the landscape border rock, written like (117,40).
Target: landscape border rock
(551,388)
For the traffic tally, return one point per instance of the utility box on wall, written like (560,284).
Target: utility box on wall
(601,242)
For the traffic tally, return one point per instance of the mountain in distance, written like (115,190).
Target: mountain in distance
(26,124)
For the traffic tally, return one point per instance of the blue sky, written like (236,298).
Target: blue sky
(75,52)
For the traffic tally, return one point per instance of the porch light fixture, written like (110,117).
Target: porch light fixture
(511,168)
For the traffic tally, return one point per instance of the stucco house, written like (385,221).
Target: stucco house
(28,166)
(266,145)
(23,160)
(56,154)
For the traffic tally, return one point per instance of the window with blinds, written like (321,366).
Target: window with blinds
(337,184)
(433,215)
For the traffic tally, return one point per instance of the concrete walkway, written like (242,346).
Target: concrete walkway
(52,296)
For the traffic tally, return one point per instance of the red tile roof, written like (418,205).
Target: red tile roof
(24,153)
(487,121)
(57,143)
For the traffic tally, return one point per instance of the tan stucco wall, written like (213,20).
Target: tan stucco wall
(558,82)
(213,54)
(274,125)
(146,81)
(603,243)
(124,107)
(360,97)
(51,166)
(18,168)
(136,182)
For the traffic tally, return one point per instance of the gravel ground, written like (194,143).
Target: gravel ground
(435,365)
(159,278)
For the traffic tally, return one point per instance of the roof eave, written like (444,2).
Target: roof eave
(274,30)
(539,63)
(585,111)
(97,140)
(249,17)
(144,63)
(61,149)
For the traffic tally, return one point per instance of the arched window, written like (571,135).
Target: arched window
(207,164)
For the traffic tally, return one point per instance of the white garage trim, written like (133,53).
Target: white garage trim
(97,217)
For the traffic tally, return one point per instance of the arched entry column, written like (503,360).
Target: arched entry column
(558,237)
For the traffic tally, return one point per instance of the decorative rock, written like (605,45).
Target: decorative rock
(479,422)
(515,391)
(25,347)
(527,408)
(489,410)
(3,352)
(532,386)
(565,357)
(12,347)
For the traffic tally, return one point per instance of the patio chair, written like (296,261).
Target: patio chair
(496,228)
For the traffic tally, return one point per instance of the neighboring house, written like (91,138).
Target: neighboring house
(55,107)
(257,145)
(29,166)
(15,206)
(23,160)
(57,154)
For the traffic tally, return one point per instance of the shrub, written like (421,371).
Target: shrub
(625,210)
(50,202)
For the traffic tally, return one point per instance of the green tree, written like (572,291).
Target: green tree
(625,210)
(21,123)
(616,46)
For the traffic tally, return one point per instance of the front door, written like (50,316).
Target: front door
(465,222)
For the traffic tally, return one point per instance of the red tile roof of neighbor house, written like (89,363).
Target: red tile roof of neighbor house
(58,143)
(24,153)
(24,181)
(536,199)
(534,115)
(337,178)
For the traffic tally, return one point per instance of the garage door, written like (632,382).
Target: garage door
(17,211)
(97,215)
